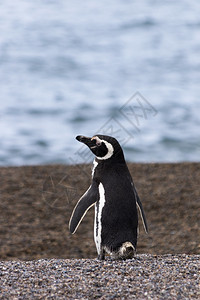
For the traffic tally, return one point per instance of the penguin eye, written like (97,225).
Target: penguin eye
(97,141)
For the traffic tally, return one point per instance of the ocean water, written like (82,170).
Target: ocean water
(130,69)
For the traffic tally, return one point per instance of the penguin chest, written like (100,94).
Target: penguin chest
(98,217)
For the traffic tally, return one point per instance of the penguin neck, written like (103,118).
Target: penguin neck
(115,159)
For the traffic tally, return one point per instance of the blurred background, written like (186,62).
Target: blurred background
(130,69)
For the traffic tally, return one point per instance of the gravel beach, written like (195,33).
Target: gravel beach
(145,277)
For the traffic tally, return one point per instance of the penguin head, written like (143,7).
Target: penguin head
(103,146)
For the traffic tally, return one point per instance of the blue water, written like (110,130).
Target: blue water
(69,68)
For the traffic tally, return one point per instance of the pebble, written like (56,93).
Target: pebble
(146,277)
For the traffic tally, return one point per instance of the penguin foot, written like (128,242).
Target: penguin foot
(126,251)
(101,256)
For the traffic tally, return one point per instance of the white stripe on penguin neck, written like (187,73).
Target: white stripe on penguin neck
(109,147)
(95,164)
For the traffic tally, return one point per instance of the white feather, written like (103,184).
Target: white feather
(98,216)
(95,164)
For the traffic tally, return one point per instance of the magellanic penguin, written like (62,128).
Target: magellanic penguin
(113,193)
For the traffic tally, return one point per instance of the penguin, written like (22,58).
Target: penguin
(115,198)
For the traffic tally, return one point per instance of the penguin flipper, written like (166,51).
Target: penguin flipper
(83,205)
(139,205)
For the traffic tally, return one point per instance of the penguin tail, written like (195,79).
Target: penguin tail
(126,251)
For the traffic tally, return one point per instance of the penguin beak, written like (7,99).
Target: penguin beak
(90,142)
(82,139)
